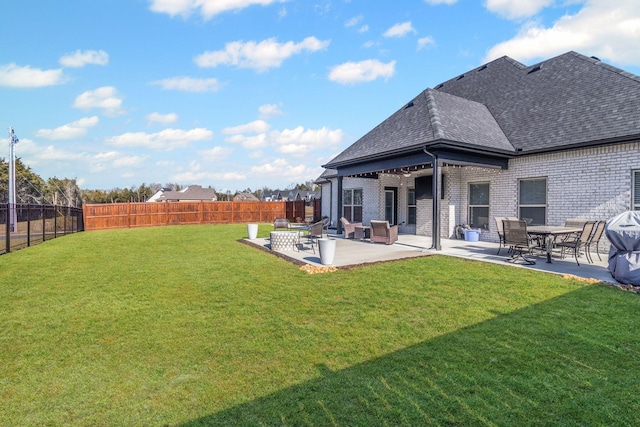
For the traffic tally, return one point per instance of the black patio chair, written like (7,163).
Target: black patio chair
(315,233)
(517,239)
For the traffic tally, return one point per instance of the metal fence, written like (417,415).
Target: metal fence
(24,225)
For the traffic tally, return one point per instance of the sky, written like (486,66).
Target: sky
(238,94)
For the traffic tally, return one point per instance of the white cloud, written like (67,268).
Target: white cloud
(71,130)
(208,8)
(163,119)
(269,111)
(216,153)
(257,126)
(189,84)
(356,20)
(258,55)
(363,29)
(129,161)
(281,168)
(608,30)
(297,141)
(400,30)
(434,2)
(363,71)
(165,140)
(300,140)
(13,76)
(81,58)
(425,42)
(105,98)
(249,142)
(517,9)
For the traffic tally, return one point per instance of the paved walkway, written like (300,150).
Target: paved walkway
(354,252)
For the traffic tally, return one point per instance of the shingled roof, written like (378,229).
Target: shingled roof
(506,107)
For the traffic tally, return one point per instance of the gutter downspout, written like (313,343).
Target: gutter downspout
(436,189)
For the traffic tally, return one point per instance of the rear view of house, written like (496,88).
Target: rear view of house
(547,142)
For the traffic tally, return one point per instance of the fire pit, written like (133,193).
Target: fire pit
(284,240)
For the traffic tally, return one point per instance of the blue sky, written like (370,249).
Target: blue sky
(253,93)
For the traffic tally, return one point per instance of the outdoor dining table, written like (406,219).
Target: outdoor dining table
(550,232)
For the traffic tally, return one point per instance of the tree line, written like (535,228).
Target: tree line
(31,188)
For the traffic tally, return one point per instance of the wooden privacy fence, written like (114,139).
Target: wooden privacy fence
(129,215)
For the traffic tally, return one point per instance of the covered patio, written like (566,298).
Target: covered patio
(350,253)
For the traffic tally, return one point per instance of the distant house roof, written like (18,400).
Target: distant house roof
(509,109)
(245,197)
(190,193)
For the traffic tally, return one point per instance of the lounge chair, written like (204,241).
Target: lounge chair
(382,232)
(349,227)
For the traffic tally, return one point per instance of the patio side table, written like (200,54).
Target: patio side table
(362,232)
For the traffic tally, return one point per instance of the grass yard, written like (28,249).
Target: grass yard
(187,326)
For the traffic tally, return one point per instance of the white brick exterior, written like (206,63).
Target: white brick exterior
(591,183)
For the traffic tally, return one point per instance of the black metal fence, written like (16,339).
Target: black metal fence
(23,225)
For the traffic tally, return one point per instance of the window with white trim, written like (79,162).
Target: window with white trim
(479,205)
(532,201)
(352,204)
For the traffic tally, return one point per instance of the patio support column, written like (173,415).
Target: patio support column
(338,222)
(436,191)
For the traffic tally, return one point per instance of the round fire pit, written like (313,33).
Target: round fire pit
(284,240)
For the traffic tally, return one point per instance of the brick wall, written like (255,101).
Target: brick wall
(591,183)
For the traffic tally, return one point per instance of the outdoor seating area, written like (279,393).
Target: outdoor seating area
(578,236)
(353,252)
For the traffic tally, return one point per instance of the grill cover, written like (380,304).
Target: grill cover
(623,231)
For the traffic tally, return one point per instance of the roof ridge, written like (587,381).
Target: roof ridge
(596,61)
(434,116)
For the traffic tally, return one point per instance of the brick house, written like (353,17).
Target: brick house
(547,142)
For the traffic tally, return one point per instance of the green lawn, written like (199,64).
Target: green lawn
(187,326)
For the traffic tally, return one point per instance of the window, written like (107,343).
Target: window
(411,206)
(479,204)
(352,205)
(532,200)
(636,191)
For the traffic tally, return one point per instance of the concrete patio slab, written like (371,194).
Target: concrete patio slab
(355,252)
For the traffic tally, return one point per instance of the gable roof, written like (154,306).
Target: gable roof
(192,192)
(507,108)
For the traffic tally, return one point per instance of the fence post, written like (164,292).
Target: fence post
(55,221)
(43,212)
(7,231)
(28,225)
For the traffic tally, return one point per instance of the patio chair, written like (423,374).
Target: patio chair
(517,239)
(349,227)
(382,232)
(315,233)
(577,242)
(281,223)
(500,230)
(594,239)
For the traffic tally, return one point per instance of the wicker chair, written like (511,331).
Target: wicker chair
(349,227)
(382,232)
